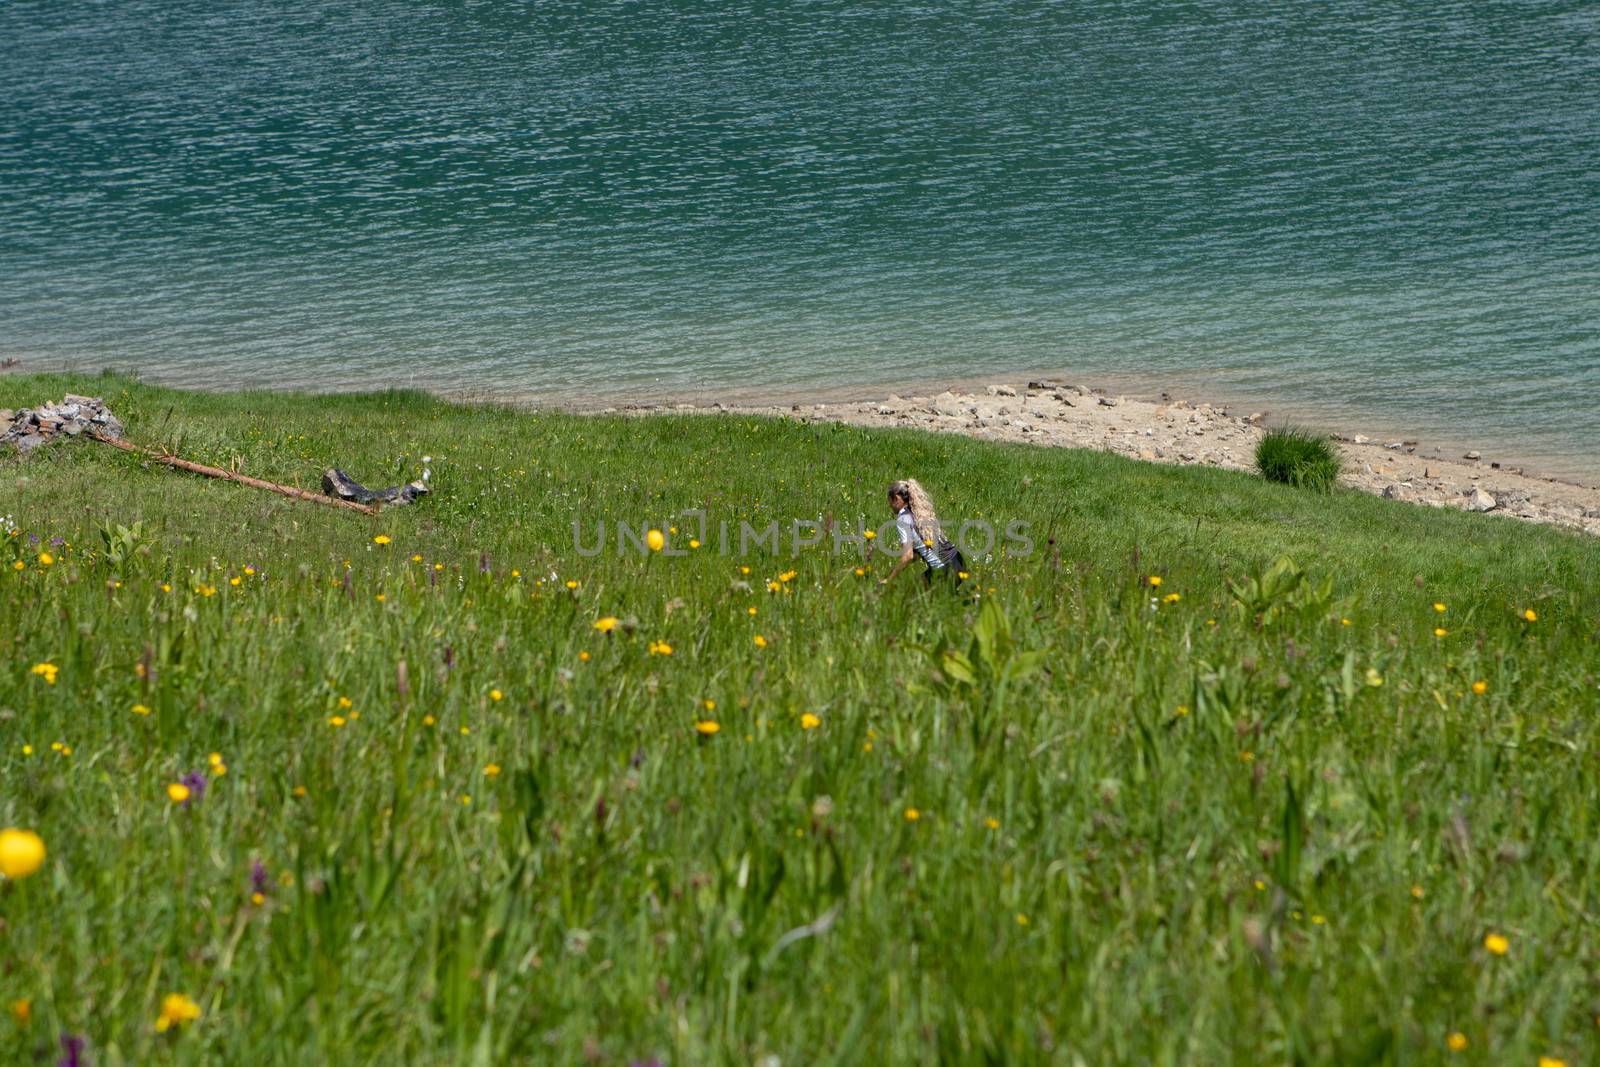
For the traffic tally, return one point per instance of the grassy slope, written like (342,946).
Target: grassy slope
(623,888)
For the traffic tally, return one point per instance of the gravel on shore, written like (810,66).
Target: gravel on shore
(1055,412)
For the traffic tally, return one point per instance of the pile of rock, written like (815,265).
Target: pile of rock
(29,428)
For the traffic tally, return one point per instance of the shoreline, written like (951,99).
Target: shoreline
(1140,421)
(1054,411)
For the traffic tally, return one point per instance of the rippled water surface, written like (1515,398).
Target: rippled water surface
(1381,214)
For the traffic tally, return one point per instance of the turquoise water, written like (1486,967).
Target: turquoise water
(1385,214)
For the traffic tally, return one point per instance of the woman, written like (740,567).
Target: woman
(920,535)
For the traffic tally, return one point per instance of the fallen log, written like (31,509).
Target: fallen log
(242,479)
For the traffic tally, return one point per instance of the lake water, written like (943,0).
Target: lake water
(1372,214)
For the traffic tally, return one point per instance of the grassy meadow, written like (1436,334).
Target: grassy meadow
(1327,793)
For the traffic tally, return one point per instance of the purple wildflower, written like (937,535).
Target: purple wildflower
(258,877)
(196,781)
(72,1047)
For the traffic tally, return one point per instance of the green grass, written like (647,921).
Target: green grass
(1297,457)
(1149,831)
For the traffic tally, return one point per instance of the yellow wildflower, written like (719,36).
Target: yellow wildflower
(491,770)
(707,727)
(1456,1042)
(47,671)
(1530,615)
(22,1011)
(660,648)
(584,656)
(869,534)
(1155,581)
(381,539)
(336,721)
(809,721)
(176,1010)
(912,815)
(1480,687)
(177,792)
(607,624)
(656,540)
(1552,1061)
(46,559)
(21,853)
(761,642)
(1171,598)
(139,709)
(992,823)
(572,584)
(693,543)
(496,695)
(1440,631)
(1439,608)
(1497,943)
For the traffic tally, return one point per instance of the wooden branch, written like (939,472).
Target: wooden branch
(217,472)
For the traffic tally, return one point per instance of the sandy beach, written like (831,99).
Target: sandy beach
(1053,412)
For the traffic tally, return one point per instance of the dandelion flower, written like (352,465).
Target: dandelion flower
(176,1010)
(496,695)
(1171,598)
(744,569)
(139,709)
(1439,608)
(862,570)
(1374,679)
(491,770)
(912,815)
(809,721)
(46,559)
(693,543)
(428,720)
(707,727)
(656,540)
(992,823)
(584,656)
(381,539)
(18,565)
(1155,581)
(1552,1061)
(1480,687)
(1456,1042)
(177,792)
(21,853)
(1022,920)
(1344,622)
(572,584)
(1497,943)
(47,671)
(607,624)
(761,642)
(1530,615)
(417,558)
(1416,891)
(336,721)
(710,705)
(1440,631)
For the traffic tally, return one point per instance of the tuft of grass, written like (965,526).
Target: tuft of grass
(1300,458)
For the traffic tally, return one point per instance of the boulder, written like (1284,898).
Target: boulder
(1478,500)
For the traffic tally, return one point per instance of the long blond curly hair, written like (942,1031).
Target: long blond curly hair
(921,505)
